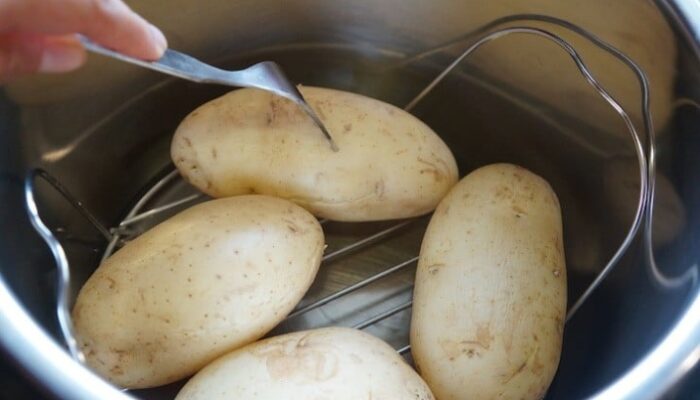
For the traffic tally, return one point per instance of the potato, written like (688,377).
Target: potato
(213,278)
(390,165)
(490,294)
(327,363)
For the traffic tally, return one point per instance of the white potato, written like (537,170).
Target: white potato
(490,295)
(390,164)
(319,364)
(214,277)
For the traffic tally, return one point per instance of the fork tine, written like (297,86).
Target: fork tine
(269,76)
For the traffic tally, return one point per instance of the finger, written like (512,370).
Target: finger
(22,54)
(110,23)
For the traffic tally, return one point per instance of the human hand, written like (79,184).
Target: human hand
(40,35)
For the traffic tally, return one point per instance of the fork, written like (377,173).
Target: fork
(266,75)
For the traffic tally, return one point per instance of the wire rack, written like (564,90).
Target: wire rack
(123,232)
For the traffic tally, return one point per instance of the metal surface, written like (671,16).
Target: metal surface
(45,358)
(108,148)
(670,361)
(686,14)
(265,75)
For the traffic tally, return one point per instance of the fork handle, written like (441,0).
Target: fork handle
(183,66)
(171,63)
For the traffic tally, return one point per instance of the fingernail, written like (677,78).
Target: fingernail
(61,58)
(159,39)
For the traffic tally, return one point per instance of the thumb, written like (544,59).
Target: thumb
(24,53)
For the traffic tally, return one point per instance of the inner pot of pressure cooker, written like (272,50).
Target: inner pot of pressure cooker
(477,87)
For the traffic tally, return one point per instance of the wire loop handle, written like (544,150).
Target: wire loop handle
(63,284)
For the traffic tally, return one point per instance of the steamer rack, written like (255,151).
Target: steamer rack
(370,255)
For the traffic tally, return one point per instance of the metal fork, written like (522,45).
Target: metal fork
(266,75)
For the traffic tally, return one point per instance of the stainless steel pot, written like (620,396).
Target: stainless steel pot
(104,133)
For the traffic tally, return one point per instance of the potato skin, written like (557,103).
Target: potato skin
(319,364)
(212,278)
(390,164)
(490,294)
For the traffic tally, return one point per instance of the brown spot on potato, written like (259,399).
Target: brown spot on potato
(503,192)
(516,372)
(213,153)
(469,348)
(379,188)
(293,226)
(519,211)
(117,370)
(537,367)
(446,210)
(434,268)
(483,336)
(273,111)
(532,361)
(347,128)
(300,359)
(432,169)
